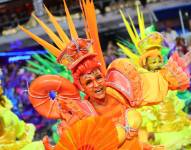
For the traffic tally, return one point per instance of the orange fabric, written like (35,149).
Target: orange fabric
(121,99)
(176,80)
(115,111)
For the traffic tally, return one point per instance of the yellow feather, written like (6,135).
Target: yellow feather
(136,34)
(45,44)
(58,28)
(72,28)
(141,24)
(129,53)
(134,29)
(129,29)
(51,34)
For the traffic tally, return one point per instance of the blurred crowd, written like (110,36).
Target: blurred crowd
(172,40)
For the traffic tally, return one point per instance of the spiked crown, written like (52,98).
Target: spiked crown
(143,43)
(71,52)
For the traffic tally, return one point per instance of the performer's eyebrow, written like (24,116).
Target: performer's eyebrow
(97,72)
(87,76)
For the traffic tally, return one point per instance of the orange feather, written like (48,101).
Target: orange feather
(89,15)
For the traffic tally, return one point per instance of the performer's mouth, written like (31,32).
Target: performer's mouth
(158,68)
(99,90)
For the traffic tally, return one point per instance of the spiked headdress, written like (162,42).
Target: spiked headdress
(72,52)
(146,45)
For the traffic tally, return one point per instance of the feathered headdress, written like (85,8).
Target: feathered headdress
(72,52)
(145,44)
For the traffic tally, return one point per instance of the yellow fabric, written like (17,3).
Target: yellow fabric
(8,104)
(134,118)
(35,146)
(168,123)
(154,86)
(121,134)
(15,134)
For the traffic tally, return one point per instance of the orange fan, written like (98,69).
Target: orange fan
(93,133)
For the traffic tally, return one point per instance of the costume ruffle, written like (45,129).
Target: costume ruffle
(170,125)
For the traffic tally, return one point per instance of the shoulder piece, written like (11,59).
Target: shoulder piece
(124,78)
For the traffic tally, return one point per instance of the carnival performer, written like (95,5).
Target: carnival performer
(14,133)
(110,93)
(156,78)
(162,113)
(166,123)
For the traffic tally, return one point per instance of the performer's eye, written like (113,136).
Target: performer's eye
(88,82)
(99,77)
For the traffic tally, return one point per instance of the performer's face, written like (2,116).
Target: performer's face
(154,63)
(93,84)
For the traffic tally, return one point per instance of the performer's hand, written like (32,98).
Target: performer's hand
(136,103)
(151,136)
(47,144)
(158,147)
(131,134)
(69,118)
(65,115)
(74,108)
(147,146)
(72,105)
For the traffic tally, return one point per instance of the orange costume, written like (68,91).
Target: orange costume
(110,93)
